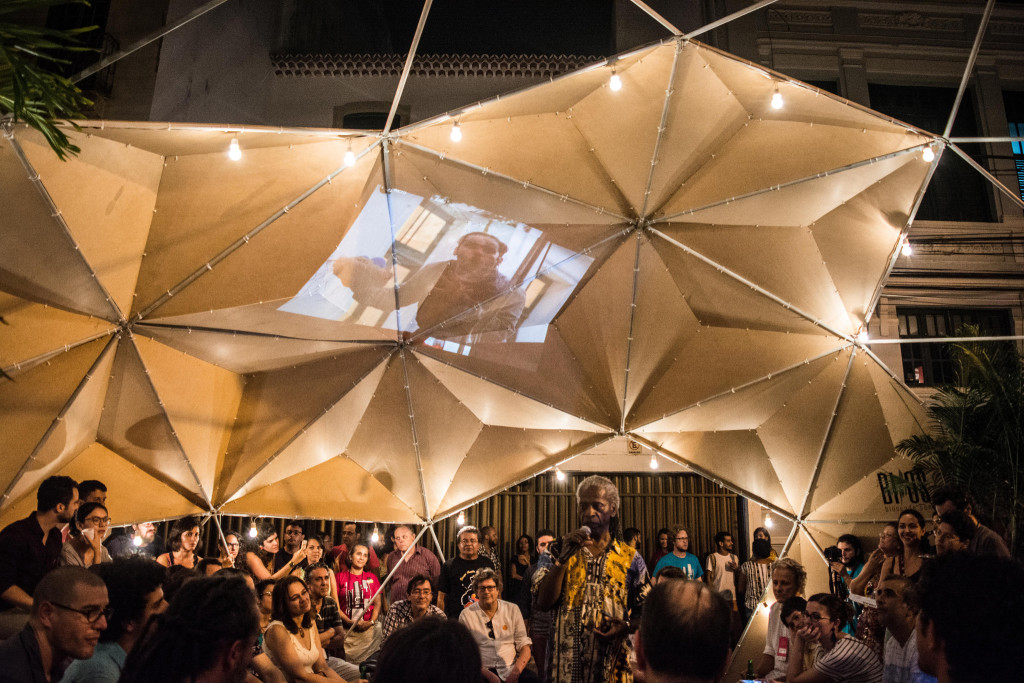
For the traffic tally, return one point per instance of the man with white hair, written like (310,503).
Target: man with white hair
(499,630)
(595,583)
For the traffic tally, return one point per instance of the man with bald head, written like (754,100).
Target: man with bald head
(418,560)
(684,634)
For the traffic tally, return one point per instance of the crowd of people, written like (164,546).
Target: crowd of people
(578,607)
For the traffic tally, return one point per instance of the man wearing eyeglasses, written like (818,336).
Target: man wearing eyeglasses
(69,610)
(294,534)
(679,557)
(498,628)
(455,590)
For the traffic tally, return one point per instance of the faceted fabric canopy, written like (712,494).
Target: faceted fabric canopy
(399,336)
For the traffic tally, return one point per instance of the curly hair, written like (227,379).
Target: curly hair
(799,573)
(482,575)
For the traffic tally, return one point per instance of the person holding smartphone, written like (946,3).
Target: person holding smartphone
(85,547)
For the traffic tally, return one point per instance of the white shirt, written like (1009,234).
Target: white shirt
(901,661)
(778,642)
(510,637)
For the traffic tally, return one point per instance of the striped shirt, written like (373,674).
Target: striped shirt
(850,661)
(758,575)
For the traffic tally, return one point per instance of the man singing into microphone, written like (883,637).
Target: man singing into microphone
(595,583)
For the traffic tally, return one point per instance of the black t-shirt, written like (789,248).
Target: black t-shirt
(456,577)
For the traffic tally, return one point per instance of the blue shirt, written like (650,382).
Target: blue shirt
(689,564)
(103,667)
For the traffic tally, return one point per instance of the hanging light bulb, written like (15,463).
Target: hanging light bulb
(350,156)
(252,529)
(863,336)
(375,536)
(906,249)
(654,461)
(615,82)
(928,154)
(461,519)
(777,99)
(137,539)
(559,474)
(768,523)
(234,151)
(456,134)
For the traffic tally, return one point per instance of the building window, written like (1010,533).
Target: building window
(929,365)
(1014,103)
(957,192)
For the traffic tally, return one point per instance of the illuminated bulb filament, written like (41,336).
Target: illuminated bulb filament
(906,249)
(456,133)
(654,462)
(350,158)
(462,519)
(234,151)
(252,530)
(928,154)
(375,536)
(615,82)
(768,523)
(559,475)
(777,100)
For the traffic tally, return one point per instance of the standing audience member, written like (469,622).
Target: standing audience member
(595,584)
(93,491)
(631,537)
(499,630)
(360,601)
(788,579)
(31,547)
(135,589)
(843,659)
(897,612)
(754,576)
(910,526)
(455,589)
(852,562)
(69,611)
(869,627)
(291,639)
(972,618)
(229,550)
(150,545)
(489,547)
(954,533)
(415,607)
(350,536)
(679,557)
(184,539)
(433,650)
(663,546)
(328,619)
(720,573)
(418,560)
(85,546)
(516,591)
(761,532)
(984,541)
(259,560)
(294,535)
(539,621)
(205,634)
(684,634)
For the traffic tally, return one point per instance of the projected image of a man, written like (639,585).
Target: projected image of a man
(462,297)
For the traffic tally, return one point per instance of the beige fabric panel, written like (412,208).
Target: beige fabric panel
(207,202)
(31,404)
(107,198)
(806,553)
(38,260)
(326,438)
(876,496)
(52,330)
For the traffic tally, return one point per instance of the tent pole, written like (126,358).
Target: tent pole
(725,20)
(982,26)
(408,65)
(437,543)
(629,338)
(657,17)
(662,127)
(988,176)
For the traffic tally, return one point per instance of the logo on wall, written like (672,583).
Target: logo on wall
(902,489)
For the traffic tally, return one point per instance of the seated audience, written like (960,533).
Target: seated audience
(897,612)
(869,628)
(983,541)
(136,593)
(259,559)
(208,566)
(350,535)
(294,537)
(360,602)
(85,547)
(69,611)
(670,573)
(684,634)
(184,539)
(433,650)
(261,667)
(140,539)
(328,619)
(499,631)
(953,533)
(414,608)
(291,639)
(93,491)
(843,659)
(177,576)
(910,526)
(205,634)
(971,618)
(264,602)
(788,579)
(794,616)
(31,547)
(229,548)
(454,590)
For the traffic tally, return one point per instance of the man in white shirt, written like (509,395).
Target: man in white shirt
(898,616)
(499,631)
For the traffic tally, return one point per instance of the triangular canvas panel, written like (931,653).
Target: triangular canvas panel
(879,496)
(336,489)
(827,534)
(132,494)
(31,331)
(208,203)
(106,195)
(277,405)
(39,260)
(32,402)
(805,551)
(327,437)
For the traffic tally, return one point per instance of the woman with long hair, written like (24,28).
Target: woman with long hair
(360,604)
(761,532)
(292,641)
(753,577)
(516,590)
(182,542)
(85,547)
(229,549)
(910,526)
(842,658)
(662,547)
(259,557)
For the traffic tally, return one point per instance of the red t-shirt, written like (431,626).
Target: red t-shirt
(356,593)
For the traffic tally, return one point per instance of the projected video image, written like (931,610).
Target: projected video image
(459,276)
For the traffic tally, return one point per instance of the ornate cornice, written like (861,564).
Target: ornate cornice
(911,20)
(428,66)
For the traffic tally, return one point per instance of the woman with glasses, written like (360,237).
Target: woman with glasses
(842,659)
(85,547)
(229,550)
(292,641)
(182,542)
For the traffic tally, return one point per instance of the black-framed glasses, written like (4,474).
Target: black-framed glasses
(490,630)
(91,615)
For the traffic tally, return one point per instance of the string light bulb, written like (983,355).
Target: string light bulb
(252,529)
(137,539)
(615,82)
(461,519)
(234,151)
(906,249)
(863,336)
(559,474)
(456,134)
(768,523)
(928,154)
(777,99)
(350,156)
(654,461)
(375,536)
